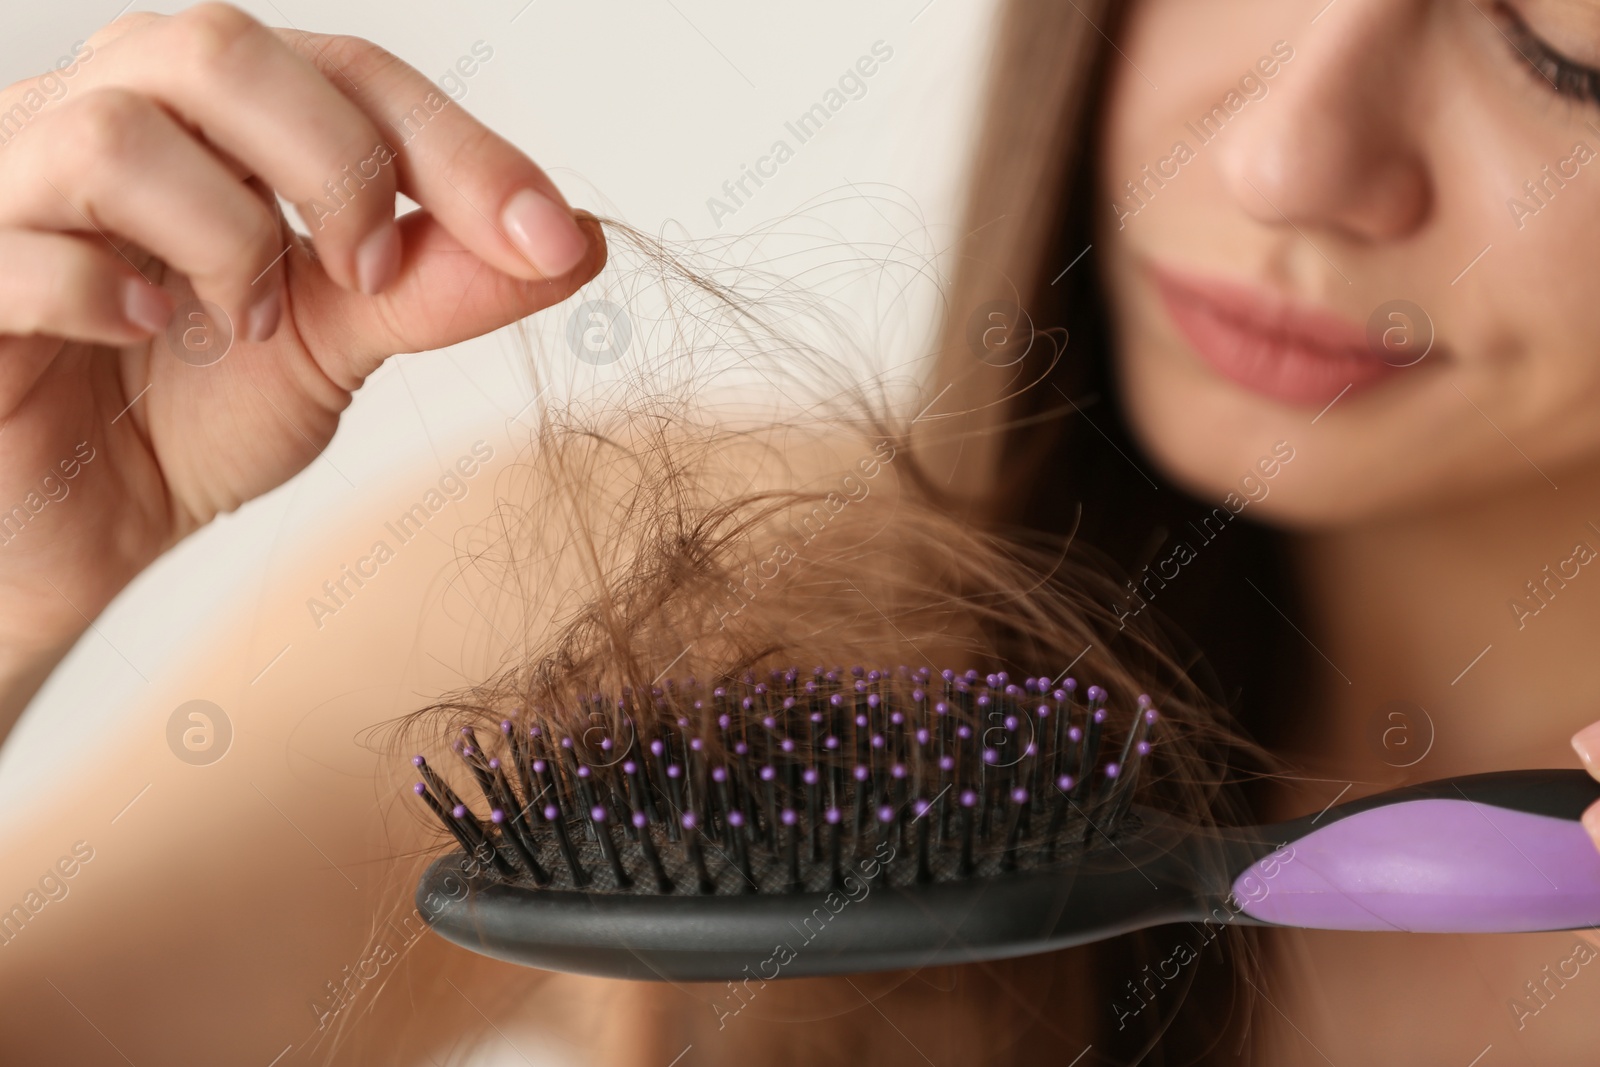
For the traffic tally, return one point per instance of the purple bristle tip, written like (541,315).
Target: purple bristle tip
(459,811)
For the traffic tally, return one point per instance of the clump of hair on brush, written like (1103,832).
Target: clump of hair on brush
(660,527)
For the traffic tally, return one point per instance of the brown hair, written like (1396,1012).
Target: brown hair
(625,546)
(1058,458)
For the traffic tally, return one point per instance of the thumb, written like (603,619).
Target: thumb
(1586,742)
(443,294)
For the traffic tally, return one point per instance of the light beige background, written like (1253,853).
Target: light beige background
(640,110)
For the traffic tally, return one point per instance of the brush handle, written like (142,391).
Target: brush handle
(1491,853)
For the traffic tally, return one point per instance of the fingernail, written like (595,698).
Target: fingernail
(1591,822)
(263,318)
(1586,743)
(378,258)
(544,232)
(145,306)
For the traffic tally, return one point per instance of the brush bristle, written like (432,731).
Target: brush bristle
(780,786)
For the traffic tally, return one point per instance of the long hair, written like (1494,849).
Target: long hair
(663,531)
(1059,457)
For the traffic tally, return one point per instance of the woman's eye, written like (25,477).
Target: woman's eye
(1555,71)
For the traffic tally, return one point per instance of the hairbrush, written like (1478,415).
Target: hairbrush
(830,821)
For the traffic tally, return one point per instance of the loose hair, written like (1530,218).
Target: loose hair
(1057,457)
(667,529)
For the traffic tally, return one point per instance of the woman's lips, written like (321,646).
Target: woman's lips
(1270,346)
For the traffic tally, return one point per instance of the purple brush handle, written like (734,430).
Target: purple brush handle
(1434,865)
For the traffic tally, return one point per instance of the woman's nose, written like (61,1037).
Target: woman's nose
(1336,146)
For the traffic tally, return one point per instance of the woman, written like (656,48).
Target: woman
(1260,182)
(1215,200)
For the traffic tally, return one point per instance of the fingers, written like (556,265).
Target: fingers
(486,192)
(1586,742)
(442,296)
(112,161)
(259,102)
(62,286)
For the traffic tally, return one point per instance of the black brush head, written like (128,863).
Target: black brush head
(673,832)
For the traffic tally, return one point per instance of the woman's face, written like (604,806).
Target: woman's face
(1291,191)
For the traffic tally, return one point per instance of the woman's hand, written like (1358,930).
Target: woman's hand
(140,176)
(1586,742)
